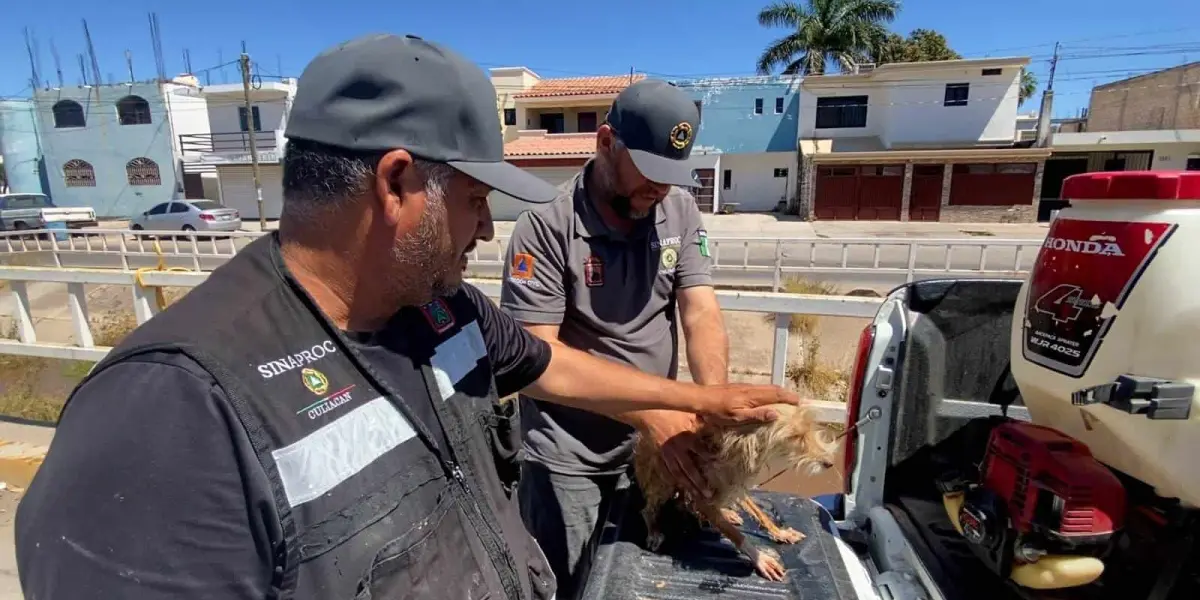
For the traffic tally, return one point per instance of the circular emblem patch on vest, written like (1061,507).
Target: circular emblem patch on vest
(670,256)
(681,135)
(315,381)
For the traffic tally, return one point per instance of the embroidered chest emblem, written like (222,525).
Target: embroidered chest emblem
(593,271)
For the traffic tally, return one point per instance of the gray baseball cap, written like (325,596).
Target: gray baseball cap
(658,123)
(385,92)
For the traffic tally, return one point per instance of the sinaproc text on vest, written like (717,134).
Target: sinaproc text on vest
(282,365)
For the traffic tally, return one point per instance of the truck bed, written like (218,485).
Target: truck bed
(697,561)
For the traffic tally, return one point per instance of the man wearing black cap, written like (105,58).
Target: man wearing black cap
(602,269)
(319,419)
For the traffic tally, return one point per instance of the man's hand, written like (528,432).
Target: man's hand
(741,403)
(673,433)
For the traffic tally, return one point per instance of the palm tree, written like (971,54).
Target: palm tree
(1028,86)
(843,32)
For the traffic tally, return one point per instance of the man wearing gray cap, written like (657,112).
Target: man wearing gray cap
(602,269)
(319,419)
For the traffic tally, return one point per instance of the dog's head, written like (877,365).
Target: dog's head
(796,439)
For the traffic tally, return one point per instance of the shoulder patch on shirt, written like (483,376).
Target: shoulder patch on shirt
(439,315)
(702,237)
(522,266)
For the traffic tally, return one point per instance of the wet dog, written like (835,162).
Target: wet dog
(739,455)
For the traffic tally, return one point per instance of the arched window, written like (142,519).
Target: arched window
(133,110)
(142,171)
(68,113)
(79,173)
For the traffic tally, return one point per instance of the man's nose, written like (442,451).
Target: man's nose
(487,228)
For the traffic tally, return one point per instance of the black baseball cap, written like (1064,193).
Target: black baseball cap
(658,123)
(384,92)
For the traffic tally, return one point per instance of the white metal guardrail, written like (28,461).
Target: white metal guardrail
(19,278)
(910,258)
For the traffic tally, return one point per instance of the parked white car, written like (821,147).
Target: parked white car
(188,215)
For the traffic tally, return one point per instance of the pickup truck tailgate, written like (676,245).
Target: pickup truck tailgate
(699,562)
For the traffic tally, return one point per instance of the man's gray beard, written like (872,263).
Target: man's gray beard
(423,264)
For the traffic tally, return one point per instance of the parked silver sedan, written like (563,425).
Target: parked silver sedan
(188,215)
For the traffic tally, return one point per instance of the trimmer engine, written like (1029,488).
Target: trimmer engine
(1039,493)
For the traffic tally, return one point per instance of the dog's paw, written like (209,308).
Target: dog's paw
(786,536)
(654,541)
(732,516)
(767,563)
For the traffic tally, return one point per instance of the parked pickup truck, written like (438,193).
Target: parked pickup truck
(931,381)
(1031,439)
(37,211)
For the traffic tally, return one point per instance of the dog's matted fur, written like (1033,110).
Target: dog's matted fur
(739,454)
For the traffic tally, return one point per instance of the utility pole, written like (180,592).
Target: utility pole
(245,62)
(1047,108)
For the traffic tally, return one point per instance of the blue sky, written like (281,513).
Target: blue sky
(1102,39)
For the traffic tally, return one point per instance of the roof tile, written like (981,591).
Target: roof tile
(579,86)
(539,143)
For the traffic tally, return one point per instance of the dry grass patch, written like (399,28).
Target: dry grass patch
(804,324)
(819,379)
(35,388)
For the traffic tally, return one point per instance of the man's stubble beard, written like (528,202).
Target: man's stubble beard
(427,266)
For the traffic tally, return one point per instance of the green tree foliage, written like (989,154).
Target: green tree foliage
(920,45)
(1029,85)
(824,34)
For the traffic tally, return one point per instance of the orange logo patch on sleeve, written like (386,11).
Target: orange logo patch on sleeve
(522,266)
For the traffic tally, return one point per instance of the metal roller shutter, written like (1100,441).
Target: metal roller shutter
(237,189)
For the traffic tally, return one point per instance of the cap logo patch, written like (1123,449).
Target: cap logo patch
(522,266)
(681,135)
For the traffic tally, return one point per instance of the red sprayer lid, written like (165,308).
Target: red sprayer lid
(1133,185)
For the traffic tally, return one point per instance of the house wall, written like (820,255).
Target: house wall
(916,113)
(223,114)
(728,123)
(530,117)
(907,108)
(20,147)
(108,146)
(508,82)
(188,111)
(754,186)
(1163,100)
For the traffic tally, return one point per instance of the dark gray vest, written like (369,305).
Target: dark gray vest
(370,502)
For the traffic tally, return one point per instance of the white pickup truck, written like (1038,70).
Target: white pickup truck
(36,211)
(1011,439)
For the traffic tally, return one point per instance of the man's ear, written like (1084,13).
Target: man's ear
(396,180)
(605,139)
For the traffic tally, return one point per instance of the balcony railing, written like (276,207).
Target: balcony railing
(235,141)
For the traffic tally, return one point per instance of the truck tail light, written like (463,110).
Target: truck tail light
(858,380)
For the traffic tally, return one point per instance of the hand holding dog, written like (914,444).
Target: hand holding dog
(741,403)
(673,434)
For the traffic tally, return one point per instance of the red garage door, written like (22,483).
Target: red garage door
(925,198)
(859,193)
(987,184)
